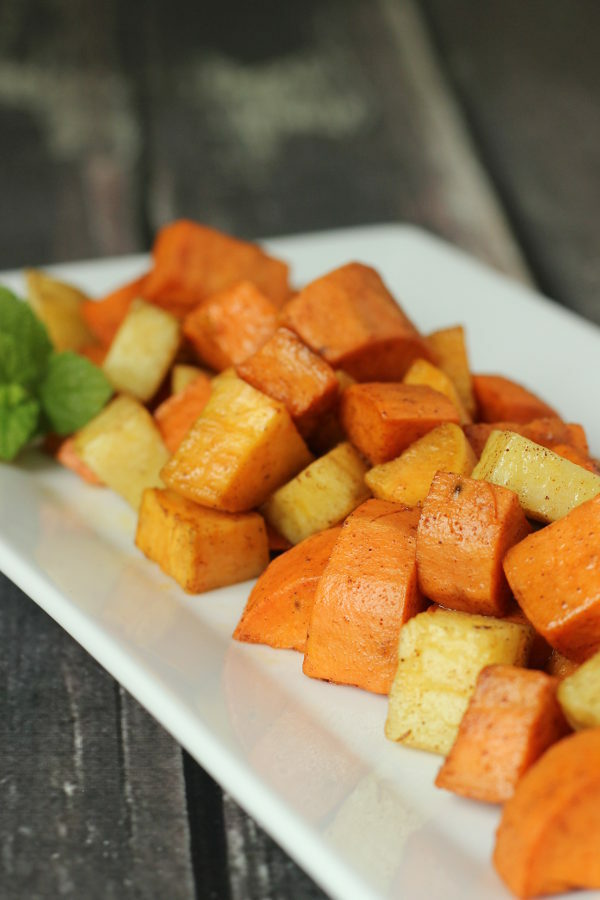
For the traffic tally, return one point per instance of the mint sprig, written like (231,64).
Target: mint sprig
(41,390)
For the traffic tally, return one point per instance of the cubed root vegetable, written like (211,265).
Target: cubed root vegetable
(320,496)
(103,317)
(368,589)
(512,718)
(408,478)
(230,326)
(382,419)
(242,447)
(278,609)
(449,350)
(501,400)
(424,372)
(70,459)
(59,306)
(579,694)
(176,415)
(200,548)
(577,456)
(560,666)
(547,432)
(547,841)
(465,530)
(555,576)
(440,656)
(352,320)
(285,369)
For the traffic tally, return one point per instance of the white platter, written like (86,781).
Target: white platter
(308,760)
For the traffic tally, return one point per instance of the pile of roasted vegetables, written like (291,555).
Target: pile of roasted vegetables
(417,530)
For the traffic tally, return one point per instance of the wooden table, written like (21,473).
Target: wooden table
(477,121)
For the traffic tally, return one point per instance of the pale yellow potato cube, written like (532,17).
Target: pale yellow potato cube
(449,349)
(407,478)
(242,447)
(123,446)
(58,305)
(142,350)
(548,485)
(423,372)
(321,496)
(200,548)
(440,654)
(579,695)
(182,375)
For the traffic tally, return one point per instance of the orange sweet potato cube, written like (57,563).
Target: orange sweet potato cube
(512,718)
(192,262)
(352,320)
(367,591)
(549,432)
(466,528)
(555,576)
(176,415)
(200,548)
(501,399)
(230,326)
(278,609)
(383,419)
(285,369)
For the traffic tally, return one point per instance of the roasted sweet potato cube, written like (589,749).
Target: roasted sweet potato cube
(352,320)
(104,316)
(466,528)
(382,419)
(501,399)
(242,447)
(547,432)
(200,548)
(577,456)
(192,262)
(555,576)
(278,609)
(368,589)
(230,326)
(285,369)
(449,350)
(512,718)
(176,415)
(424,372)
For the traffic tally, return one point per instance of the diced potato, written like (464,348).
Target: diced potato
(58,305)
(440,655)
(449,350)
(242,447)
(142,350)
(182,375)
(579,695)
(548,486)
(407,478)
(423,372)
(320,496)
(200,548)
(123,446)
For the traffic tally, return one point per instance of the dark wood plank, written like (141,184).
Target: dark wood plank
(528,76)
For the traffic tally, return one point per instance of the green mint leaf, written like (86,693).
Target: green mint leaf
(73,391)
(19,414)
(25,347)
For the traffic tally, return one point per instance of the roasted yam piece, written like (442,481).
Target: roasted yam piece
(242,447)
(193,262)
(382,419)
(176,415)
(104,316)
(449,350)
(123,447)
(278,609)
(285,369)
(512,718)
(547,841)
(67,457)
(547,432)
(465,530)
(368,589)
(320,496)
(407,478)
(440,656)
(352,320)
(59,306)
(555,576)
(500,399)
(579,695)
(200,548)
(231,325)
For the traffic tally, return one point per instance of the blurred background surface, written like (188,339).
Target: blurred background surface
(479,122)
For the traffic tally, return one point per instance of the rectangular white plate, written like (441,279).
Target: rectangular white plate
(308,760)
